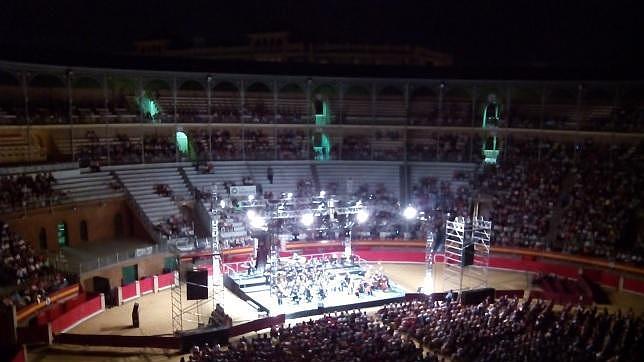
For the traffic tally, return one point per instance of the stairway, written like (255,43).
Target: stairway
(80,187)
(140,185)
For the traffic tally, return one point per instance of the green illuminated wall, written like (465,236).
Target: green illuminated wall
(148,106)
(182,142)
(491,118)
(320,140)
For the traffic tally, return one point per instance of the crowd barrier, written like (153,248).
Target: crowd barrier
(144,286)
(29,311)
(78,314)
(119,341)
(256,325)
(165,281)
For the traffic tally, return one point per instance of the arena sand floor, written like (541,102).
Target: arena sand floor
(156,317)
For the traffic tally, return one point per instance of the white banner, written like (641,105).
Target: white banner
(242,190)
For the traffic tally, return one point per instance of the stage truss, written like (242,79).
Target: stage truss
(330,210)
(461,233)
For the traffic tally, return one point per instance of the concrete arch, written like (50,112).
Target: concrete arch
(12,95)
(561,95)
(599,95)
(326,89)
(391,90)
(46,80)
(157,85)
(191,85)
(258,87)
(225,86)
(358,90)
(86,82)
(422,92)
(291,88)
(87,92)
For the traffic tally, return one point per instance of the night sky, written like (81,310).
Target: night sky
(478,33)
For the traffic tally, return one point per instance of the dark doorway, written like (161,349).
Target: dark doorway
(42,239)
(118,225)
(83,231)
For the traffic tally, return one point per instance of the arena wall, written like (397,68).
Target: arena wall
(147,266)
(99,215)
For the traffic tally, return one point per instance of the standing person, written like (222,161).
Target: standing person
(269,174)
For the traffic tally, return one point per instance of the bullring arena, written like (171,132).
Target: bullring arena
(169,215)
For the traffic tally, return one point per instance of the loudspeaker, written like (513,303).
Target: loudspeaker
(468,255)
(477,296)
(101,285)
(197,284)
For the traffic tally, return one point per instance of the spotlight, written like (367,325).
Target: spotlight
(307,220)
(410,212)
(289,195)
(251,197)
(322,193)
(251,214)
(222,204)
(257,222)
(362,216)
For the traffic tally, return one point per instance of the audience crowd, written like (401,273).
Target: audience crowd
(27,190)
(596,214)
(429,330)
(345,336)
(511,330)
(26,276)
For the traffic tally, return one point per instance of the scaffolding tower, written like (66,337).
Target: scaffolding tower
(187,314)
(467,253)
(428,283)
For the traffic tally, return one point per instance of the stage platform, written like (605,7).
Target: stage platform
(256,291)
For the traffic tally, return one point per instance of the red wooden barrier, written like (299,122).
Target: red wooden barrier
(146,285)
(166,280)
(128,291)
(634,285)
(76,315)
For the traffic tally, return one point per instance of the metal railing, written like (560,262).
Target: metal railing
(119,257)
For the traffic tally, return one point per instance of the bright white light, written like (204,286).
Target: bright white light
(322,193)
(307,219)
(251,214)
(289,195)
(222,204)
(410,212)
(257,222)
(251,197)
(362,216)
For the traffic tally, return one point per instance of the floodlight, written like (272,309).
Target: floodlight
(251,214)
(289,195)
(251,197)
(322,193)
(362,216)
(307,219)
(222,204)
(257,222)
(410,212)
